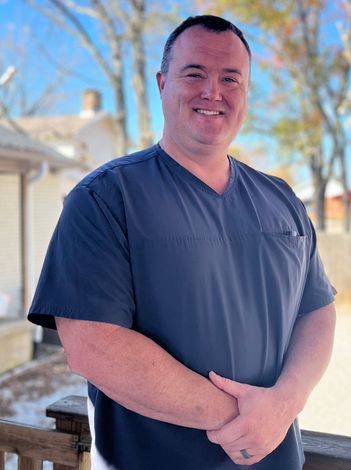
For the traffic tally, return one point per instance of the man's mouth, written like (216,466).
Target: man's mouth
(208,112)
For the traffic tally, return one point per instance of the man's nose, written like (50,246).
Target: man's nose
(211,90)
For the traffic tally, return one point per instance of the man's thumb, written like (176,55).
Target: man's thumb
(229,386)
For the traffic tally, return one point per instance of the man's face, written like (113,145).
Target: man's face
(204,93)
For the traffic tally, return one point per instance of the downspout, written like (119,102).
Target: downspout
(42,171)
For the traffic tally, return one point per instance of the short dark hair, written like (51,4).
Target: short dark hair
(210,22)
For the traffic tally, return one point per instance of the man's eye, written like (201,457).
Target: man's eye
(230,80)
(194,75)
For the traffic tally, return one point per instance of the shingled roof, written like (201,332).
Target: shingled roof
(20,147)
(48,128)
(53,128)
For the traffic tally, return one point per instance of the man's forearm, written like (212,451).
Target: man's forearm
(141,376)
(308,355)
(267,413)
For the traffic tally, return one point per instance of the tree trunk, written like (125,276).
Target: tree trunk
(345,196)
(319,186)
(121,115)
(121,124)
(139,81)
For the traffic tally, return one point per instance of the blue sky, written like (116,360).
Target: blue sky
(47,46)
(50,46)
(20,21)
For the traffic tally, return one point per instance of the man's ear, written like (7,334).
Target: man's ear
(160,81)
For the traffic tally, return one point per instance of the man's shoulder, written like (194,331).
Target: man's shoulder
(109,172)
(264,179)
(274,193)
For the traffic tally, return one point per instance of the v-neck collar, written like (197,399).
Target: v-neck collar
(196,180)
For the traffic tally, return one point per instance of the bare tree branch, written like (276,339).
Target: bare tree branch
(5,114)
(120,23)
(82,10)
(115,6)
(84,37)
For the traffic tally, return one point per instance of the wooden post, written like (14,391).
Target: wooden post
(84,461)
(70,415)
(2,460)
(27,463)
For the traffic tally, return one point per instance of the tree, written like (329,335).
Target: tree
(22,66)
(136,25)
(345,106)
(310,77)
(104,28)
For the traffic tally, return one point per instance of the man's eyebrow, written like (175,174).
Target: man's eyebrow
(237,71)
(192,66)
(202,67)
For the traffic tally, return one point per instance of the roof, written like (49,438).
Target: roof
(305,190)
(21,148)
(53,128)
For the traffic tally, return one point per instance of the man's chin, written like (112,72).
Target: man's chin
(213,141)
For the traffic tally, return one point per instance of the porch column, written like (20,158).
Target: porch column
(25,240)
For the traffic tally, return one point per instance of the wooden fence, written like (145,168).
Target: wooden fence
(68,446)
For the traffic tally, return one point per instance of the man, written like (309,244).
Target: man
(179,260)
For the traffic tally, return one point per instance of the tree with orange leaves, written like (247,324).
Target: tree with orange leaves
(309,68)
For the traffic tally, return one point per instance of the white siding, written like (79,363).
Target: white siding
(99,140)
(46,200)
(10,243)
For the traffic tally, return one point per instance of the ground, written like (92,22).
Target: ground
(329,407)
(26,391)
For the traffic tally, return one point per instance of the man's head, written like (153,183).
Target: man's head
(209,22)
(203,85)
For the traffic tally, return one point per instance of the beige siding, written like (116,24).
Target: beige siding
(47,200)
(46,197)
(99,140)
(15,343)
(10,255)
(335,251)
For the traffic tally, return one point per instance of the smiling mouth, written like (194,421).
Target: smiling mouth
(207,112)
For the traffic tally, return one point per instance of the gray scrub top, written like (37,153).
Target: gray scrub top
(216,280)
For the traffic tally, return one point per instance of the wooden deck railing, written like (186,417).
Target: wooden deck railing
(68,446)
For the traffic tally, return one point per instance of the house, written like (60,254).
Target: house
(33,184)
(89,136)
(333,203)
(37,170)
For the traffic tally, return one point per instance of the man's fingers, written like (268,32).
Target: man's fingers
(244,442)
(212,436)
(227,385)
(240,460)
(228,434)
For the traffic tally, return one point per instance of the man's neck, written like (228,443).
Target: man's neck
(210,165)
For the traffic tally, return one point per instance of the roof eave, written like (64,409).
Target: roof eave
(31,159)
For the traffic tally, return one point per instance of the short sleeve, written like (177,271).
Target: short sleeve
(318,290)
(86,273)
